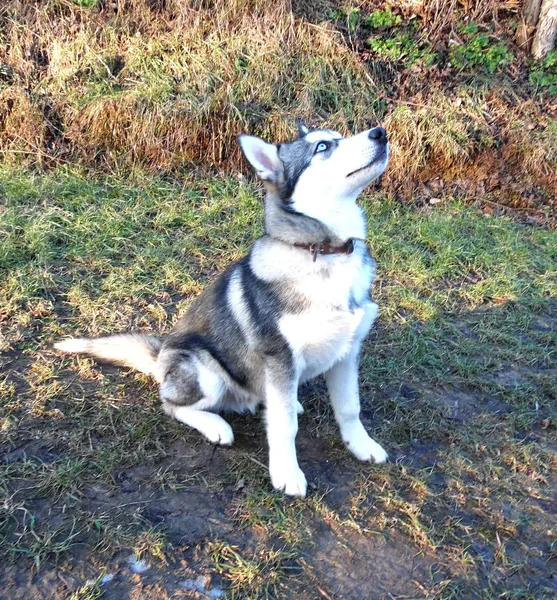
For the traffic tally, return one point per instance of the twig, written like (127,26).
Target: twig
(257,462)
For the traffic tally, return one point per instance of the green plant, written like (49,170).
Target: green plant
(350,18)
(402,47)
(85,3)
(543,74)
(382,18)
(479,51)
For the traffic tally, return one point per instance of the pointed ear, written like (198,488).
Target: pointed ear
(263,157)
(302,129)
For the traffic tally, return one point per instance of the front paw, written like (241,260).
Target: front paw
(363,447)
(290,480)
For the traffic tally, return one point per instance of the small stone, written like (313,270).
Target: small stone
(197,585)
(137,566)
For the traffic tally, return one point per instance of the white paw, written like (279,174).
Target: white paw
(363,447)
(299,408)
(211,425)
(220,433)
(291,481)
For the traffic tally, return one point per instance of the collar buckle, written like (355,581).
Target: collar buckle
(314,249)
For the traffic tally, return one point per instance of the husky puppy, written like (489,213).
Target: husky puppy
(296,306)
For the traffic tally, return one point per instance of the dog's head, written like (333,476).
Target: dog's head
(320,168)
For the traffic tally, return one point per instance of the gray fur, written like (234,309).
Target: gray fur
(296,157)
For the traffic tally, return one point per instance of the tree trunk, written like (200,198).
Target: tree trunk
(546,31)
(530,15)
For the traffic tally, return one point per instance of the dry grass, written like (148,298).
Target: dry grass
(22,127)
(158,88)
(440,16)
(477,139)
(157,85)
(433,136)
(534,150)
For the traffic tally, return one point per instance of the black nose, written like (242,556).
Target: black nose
(378,134)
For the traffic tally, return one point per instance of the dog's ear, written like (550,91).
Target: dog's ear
(262,156)
(302,129)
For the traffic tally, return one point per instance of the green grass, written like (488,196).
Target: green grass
(457,382)
(261,573)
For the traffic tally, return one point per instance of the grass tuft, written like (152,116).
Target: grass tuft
(258,576)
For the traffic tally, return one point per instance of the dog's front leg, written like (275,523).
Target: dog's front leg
(281,390)
(342,382)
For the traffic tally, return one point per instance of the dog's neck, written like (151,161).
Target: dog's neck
(286,224)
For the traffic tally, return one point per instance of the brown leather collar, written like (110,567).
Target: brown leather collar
(325,248)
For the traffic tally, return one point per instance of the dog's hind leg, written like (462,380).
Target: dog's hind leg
(192,387)
(212,426)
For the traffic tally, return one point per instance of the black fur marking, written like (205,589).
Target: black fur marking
(296,157)
(192,342)
(181,384)
(306,221)
(214,330)
(292,211)
(264,306)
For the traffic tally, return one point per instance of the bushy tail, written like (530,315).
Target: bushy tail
(133,350)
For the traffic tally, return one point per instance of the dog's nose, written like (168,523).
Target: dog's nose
(378,134)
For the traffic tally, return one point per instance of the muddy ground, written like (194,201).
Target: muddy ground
(337,557)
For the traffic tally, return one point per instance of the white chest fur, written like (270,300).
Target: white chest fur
(338,317)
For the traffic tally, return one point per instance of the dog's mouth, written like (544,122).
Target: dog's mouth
(382,154)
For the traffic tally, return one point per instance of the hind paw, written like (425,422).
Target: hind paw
(212,426)
(221,434)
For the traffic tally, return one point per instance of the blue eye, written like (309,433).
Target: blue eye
(321,147)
